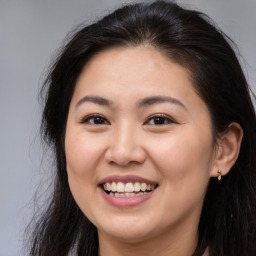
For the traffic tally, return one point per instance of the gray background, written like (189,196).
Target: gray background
(30,33)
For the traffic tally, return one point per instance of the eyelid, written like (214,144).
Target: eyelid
(90,116)
(169,119)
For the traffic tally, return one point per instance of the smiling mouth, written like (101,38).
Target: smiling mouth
(129,189)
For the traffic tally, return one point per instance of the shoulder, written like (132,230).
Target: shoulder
(206,253)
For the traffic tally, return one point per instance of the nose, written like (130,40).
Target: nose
(125,147)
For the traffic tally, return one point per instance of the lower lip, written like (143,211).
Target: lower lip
(125,202)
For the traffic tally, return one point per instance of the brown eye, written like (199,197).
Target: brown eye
(95,119)
(159,120)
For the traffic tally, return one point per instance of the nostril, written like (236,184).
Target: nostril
(125,156)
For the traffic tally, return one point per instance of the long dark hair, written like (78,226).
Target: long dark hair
(228,220)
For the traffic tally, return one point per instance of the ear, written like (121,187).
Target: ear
(227,150)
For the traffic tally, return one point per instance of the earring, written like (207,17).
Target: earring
(219,177)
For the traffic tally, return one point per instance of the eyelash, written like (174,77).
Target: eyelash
(164,120)
(161,119)
(95,117)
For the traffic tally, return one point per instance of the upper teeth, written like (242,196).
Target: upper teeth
(127,187)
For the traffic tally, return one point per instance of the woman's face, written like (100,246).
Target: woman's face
(139,146)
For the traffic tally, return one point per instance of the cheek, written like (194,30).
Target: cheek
(81,159)
(81,154)
(183,157)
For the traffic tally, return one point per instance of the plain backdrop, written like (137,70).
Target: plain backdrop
(30,33)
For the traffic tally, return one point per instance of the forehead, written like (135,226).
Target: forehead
(133,68)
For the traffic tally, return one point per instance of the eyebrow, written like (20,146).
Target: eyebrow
(94,99)
(160,99)
(142,103)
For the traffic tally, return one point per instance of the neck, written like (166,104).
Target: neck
(175,244)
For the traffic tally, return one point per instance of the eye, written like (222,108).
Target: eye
(159,119)
(95,119)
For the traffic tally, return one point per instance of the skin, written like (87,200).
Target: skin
(178,154)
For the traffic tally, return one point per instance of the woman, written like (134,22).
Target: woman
(150,118)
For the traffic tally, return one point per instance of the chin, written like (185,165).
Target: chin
(129,232)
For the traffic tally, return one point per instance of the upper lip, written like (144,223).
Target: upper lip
(126,179)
